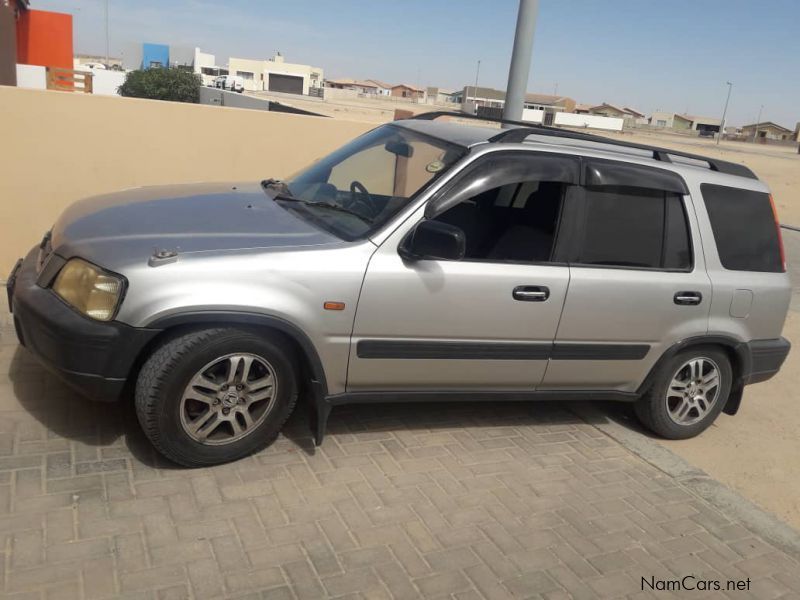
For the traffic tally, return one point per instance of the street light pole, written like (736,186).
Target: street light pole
(520,59)
(107,65)
(724,112)
(758,122)
(475,89)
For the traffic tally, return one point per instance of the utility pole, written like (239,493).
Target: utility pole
(520,59)
(475,89)
(724,112)
(107,37)
(758,122)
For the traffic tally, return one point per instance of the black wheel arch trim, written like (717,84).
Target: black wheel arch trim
(319,382)
(742,367)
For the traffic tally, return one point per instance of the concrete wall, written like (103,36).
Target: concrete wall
(44,38)
(105,82)
(238,65)
(61,147)
(32,77)
(667,117)
(181,56)
(532,115)
(590,121)
(155,54)
(132,57)
(8,44)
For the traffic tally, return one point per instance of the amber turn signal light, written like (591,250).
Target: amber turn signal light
(333,306)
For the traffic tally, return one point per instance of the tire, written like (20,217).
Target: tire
(662,414)
(186,379)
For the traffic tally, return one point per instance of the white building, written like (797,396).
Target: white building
(276,75)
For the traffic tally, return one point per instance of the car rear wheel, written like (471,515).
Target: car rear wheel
(688,393)
(215,395)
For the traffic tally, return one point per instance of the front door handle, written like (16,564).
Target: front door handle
(688,298)
(531,293)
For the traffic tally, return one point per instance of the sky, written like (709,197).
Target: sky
(674,55)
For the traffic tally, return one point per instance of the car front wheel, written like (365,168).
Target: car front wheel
(215,395)
(688,393)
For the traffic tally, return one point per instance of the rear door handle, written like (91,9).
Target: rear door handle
(688,298)
(531,293)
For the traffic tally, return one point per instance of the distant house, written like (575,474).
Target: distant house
(436,95)
(635,113)
(609,110)
(362,87)
(629,116)
(549,103)
(767,130)
(669,120)
(471,97)
(406,90)
(582,109)
(384,89)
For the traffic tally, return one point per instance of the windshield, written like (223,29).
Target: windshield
(360,186)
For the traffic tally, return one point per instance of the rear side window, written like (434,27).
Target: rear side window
(635,227)
(744,228)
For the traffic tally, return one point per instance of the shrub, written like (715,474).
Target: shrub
(177,85)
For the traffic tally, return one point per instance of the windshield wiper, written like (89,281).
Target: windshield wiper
(328,205)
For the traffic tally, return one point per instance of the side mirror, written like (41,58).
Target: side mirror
(434,239)
(399,148)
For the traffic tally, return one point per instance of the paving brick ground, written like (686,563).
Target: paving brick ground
(442,501)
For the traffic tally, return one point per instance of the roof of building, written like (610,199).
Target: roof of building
(546,99)
(768,124)
(698,119)
(530,98)
(633,111)
(612,106)
(381,84)
(348,81)
(579,106)
(413,88)
(484,92)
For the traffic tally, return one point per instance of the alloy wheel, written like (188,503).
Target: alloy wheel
(693,391)
(228,399)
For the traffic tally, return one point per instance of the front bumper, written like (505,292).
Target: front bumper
(94,357)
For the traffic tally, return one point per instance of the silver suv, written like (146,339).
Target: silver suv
(425,260)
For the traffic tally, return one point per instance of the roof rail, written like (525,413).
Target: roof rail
(522,130)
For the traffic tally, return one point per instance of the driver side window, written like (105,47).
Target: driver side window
(509,207)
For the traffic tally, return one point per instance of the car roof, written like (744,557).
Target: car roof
(519,132)
(455,133)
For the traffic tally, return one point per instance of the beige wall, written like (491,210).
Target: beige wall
(58,147)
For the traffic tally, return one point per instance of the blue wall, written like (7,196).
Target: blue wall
(155,53)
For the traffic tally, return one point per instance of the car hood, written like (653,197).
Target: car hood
(186,218)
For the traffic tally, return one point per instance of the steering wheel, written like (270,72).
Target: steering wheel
(361,201)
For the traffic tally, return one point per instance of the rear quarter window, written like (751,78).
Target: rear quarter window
(744,228)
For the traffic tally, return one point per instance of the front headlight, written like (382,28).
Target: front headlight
(89,289)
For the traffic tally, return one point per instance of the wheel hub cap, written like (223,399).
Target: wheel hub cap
(230,399)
